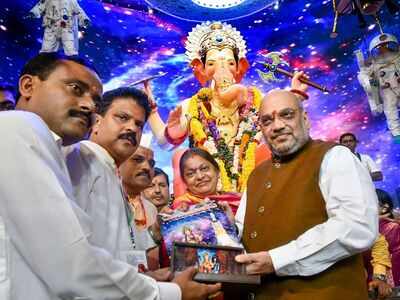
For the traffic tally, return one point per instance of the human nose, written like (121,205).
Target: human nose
(277,124)
(131,126)
(199,174)
(157,189)
(87,104)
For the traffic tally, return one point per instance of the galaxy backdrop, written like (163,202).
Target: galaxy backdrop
(128,40)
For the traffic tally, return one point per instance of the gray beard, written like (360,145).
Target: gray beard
(296,147)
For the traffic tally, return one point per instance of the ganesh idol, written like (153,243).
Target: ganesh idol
(221,117)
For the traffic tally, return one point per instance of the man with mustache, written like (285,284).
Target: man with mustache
(44,248)
(310,252)
(158,191)
(137,173)
(93,166)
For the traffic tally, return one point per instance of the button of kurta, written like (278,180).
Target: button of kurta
(261,209)
(253,235)
(268,184)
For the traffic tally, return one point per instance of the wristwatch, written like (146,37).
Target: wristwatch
(380,277)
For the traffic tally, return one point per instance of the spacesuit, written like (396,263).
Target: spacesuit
(61,19)
(380,78)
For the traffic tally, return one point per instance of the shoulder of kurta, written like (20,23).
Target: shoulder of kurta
(24,124)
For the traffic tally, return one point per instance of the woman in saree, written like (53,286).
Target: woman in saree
(200,173)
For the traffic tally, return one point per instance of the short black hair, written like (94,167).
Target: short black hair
(43,64)
(199,152)
(124,92)
(384,198)
(347,134)
(7,87)
(158,171)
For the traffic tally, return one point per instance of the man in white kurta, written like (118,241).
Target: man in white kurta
(93,166)
(44,235)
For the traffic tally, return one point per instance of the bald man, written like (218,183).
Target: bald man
(307,213)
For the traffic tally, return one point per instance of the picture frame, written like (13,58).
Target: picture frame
(214,263)
(204,223)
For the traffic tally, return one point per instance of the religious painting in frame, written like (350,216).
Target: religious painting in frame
(214,263)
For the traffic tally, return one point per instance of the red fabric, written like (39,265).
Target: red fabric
(391,231)
(165,262)
(178,184)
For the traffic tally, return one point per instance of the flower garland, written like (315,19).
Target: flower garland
(236,162)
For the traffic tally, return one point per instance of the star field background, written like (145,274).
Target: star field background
(128,40)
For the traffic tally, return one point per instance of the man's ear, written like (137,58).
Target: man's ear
(199,71)
(96,123)
(26,85)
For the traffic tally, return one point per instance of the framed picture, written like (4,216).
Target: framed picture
(205,224)
(214,263)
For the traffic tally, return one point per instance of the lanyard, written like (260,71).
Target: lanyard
(129,219)
(128,212)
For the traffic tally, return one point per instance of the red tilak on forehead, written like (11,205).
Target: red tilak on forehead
(274,113)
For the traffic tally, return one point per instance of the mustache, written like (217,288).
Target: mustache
(147,173)
(88,116)
(130,136)
(278,134)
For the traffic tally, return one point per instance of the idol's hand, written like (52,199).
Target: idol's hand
(192,290)
(174,127)
(149,92)
(297,84)
(257,262)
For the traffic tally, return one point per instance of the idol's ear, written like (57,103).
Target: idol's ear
(242,68)
(199,71)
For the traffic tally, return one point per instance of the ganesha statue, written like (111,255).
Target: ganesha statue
(222,116)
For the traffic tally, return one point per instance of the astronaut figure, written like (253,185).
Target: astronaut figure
(380,78)
(61,19)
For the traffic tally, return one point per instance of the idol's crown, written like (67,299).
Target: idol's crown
(215,35)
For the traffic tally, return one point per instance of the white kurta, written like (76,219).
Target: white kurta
(98,192)
(44,250)
(352,225)
(369,163)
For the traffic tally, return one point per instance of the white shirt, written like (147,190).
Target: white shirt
(98,192)
(352,225)
(44,250)
(369,163)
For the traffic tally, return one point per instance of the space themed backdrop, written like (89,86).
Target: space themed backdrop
(131,39)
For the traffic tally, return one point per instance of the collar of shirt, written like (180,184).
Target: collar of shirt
(57,138)
(102,154)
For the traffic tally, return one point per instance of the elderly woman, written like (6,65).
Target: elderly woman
(200,173)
